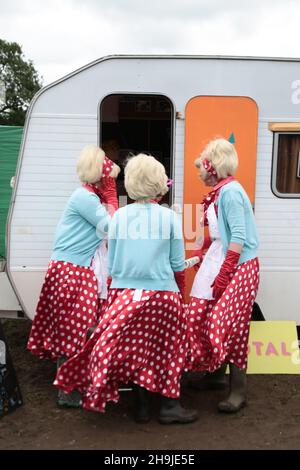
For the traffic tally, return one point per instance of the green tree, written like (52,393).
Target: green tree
(19,81)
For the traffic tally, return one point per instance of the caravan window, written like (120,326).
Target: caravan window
(135,123)
(286,164)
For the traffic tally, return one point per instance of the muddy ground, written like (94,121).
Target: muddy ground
(270,421)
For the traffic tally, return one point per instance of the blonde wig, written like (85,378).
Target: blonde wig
(90,163)
(222,156)
(145,178)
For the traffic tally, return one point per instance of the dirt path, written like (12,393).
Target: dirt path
(271,421)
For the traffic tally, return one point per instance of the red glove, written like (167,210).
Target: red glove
(199,251)
(108,194)
(225,274)
(108,281)
(180,280)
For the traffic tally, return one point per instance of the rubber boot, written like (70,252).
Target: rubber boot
(171,412)
(90,331)
(141,404)
(68,400)
(210,381)
(237,398)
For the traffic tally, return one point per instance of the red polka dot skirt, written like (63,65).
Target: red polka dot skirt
(67,307)
(142,341)
(218,332)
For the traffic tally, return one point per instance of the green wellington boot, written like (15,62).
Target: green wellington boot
(141,404)
(237,398)
(210,381)
(69,400)
(171,412)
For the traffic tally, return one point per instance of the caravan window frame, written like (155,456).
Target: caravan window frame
(173,129)
(274,189)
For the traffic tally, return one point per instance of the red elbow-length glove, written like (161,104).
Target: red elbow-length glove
(108,194)
(180,280)
(200,252)
(225,274)
(108,281)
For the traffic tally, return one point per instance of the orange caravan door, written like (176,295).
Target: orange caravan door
(207,118)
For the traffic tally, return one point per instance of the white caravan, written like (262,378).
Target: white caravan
(169,106)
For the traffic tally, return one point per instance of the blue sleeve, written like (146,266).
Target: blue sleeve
(112,241)
(233,204)
(91,209)
(176,244)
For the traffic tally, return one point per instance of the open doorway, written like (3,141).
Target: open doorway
(136,123)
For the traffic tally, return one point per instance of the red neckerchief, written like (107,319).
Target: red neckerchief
(90,187)
(213,195)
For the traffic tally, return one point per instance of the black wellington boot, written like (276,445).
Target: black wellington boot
(171,412)
(210,381)
(68,400)
(237,398)
(141,404)
(90,331)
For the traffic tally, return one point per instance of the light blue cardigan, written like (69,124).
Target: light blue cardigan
(145,248)
(236,220)
(83,225)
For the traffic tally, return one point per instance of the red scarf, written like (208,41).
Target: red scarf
(107,166)
(213,195)
(92,188)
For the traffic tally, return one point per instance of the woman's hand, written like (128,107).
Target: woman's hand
(199,251)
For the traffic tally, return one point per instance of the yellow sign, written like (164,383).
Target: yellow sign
(273,348)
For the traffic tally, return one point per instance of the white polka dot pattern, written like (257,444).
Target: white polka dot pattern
(218,332)
(141,341)
(67,307)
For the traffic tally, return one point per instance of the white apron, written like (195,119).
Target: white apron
(99,265)
(212,261)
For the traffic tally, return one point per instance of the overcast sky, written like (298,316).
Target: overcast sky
(60,36)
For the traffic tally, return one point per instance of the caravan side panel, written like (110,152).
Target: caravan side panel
(46,180)
(278,223)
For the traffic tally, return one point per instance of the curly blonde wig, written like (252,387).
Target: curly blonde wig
(145,178)
(90,163)
(222,156)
